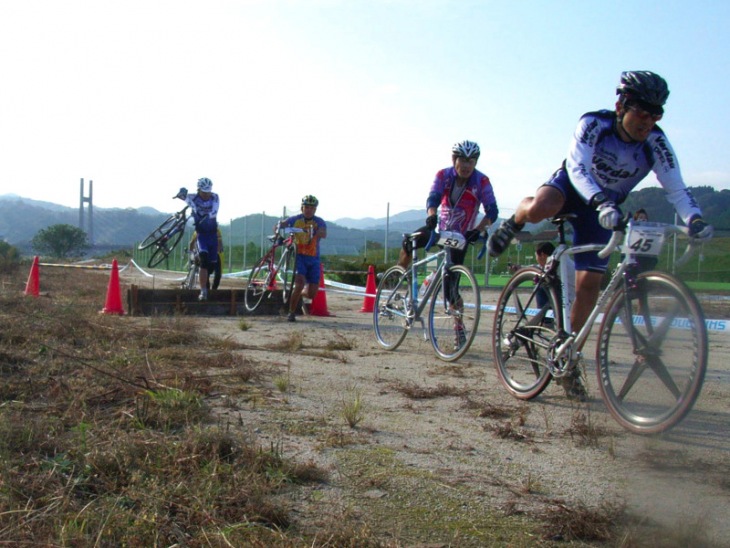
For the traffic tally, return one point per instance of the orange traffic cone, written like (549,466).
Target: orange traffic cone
(319,303)
(368,303)
(33,286)
(114,293)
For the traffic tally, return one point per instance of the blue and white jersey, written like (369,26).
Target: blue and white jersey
(205,212)
(599,161)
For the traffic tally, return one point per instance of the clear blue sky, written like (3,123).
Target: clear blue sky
(355,101)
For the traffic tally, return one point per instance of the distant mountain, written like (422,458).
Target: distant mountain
(412,218)
(14,198)
(22,218)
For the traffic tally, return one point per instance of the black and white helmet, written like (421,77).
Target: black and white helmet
(205,184)
(310,200)
(465,149)
(643,87)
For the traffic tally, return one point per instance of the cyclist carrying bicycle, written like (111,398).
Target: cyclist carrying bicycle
(308,266)
(610,153)
(458,191)
(204,205)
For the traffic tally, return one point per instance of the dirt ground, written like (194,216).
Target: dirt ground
(449,435)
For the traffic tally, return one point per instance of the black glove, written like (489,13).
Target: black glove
(471,235)
(699,229)
(182,193)
(431,222)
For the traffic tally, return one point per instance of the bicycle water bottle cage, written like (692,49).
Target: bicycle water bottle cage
(454,240)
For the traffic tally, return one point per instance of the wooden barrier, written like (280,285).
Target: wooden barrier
(222,302)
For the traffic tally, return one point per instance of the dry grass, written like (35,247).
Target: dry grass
(415,392)
(107,436)
(581,523)
(584,431)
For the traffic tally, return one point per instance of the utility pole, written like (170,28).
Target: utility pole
(87,227)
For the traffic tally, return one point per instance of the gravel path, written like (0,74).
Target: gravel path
(449,434)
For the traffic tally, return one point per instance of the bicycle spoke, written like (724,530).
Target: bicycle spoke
(259,282)
(454,313)
(648,350)
(522,333)
(391,308)
(652,354)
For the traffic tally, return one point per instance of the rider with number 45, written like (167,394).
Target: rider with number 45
(204,205)
(610,153)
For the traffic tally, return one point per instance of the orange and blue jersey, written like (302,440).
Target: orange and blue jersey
(306,244)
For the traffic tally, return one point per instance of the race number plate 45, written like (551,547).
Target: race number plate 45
(646,241)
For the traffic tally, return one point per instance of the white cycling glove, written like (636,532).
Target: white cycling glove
(608,215)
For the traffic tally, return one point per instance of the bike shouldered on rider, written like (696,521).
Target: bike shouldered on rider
(308,265)
(610,153)
(204,205)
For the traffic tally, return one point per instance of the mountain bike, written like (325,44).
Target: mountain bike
(262,280)
(165,237)
(452,295)
(193,274)
(651,353)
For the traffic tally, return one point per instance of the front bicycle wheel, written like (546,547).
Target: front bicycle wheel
(525,322)
(286,274)
(259,283)
(652,353)
(391,307)
(453,315)
(157,234)
(165,245)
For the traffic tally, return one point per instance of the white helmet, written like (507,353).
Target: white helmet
(466,149)
(205,184)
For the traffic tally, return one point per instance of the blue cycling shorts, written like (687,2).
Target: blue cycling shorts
(586,228)
(309,267)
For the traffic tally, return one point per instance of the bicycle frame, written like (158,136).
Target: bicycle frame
(443,261)
(564,352)
(263,276)
(165,237)
(289,246)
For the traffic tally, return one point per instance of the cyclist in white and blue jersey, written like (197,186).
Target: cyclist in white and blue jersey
(610,153)
(204,205)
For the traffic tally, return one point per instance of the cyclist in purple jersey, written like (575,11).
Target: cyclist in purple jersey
(308,266)
(610,153)
(458,190)
(204,205)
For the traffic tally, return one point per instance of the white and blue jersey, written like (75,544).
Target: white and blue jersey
(205,214)
(599,160)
